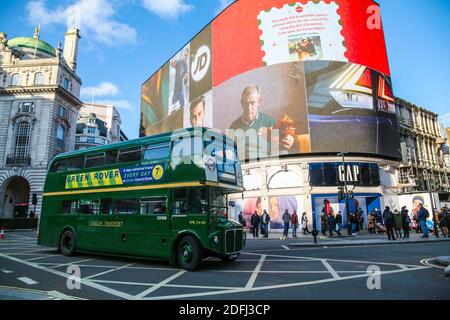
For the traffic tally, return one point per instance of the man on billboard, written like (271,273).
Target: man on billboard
(181,79)
(251,117)
(197,112)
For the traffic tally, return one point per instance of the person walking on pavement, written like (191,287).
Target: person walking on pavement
(398,223)
(338,222)
(423,216)
(371,222)
(436,222)
(305,223)
(444,223)
(255,221)
(294,222)
(265,220)
(331,223)
(286,219)
(242,220)
(406,220)
(388,218)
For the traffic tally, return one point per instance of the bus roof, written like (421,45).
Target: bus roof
(139,141)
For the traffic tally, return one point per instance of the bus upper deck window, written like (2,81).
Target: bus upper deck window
(95,161)
(58,166)
(75,163)
(158,151)
(111,157)
(130,155)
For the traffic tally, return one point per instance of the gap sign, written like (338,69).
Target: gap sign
(336,173)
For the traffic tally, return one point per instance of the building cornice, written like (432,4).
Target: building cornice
(36,90)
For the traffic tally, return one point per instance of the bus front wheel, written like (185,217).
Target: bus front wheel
(189,254)
(67,243)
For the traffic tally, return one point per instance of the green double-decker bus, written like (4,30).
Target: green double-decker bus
(162,197)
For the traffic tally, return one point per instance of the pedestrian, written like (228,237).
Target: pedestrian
(416,222)
(331,223)
(371,223)
(361,219)
(349,223)
(294,222)
(388,218)
(406,220)
(444,223)
(254,222)
(324,223)
(32,214)
(305,223)
(436,222)
(338,222)
(286,220)
(242,220)
(265,220)
(398,223)
(354,224)
(423,216)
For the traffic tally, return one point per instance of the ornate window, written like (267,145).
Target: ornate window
(15,80)
(66,84)
(60,136)
(26,107)
(39,79)
(22,141)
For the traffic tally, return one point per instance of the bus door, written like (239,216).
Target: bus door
(98,228)
(148,232)
(189,210)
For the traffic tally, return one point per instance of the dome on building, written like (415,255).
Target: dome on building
(32,43)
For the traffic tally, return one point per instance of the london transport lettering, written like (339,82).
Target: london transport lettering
(112,177)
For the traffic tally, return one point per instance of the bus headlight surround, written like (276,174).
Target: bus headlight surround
(216,240)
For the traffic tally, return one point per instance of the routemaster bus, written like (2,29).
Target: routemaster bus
(162,197)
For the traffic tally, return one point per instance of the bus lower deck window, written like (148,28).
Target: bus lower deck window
(157,205)
(126,206)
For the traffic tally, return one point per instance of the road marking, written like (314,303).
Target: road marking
(43,257)
(72,263)
(6,271)
(429,264)
(159,285)
(286,247)
(27,280)
(85,282)
(258,267)
(109,271)
(299,284)
(166,285)
(330,269)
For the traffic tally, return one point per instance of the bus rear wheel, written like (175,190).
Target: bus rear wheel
(189,253)
(67,243)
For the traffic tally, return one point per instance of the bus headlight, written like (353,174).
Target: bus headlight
(216,240)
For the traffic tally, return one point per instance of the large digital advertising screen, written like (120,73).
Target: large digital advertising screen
(282,77)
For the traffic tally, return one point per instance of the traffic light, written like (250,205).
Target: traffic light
(34,199)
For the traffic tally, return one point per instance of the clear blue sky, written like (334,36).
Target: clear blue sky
(124,42)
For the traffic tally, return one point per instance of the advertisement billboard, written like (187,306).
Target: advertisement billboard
(282,77)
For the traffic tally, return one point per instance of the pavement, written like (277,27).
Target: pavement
(265,271)
(363,238)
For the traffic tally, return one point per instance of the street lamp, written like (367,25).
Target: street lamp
(347,206)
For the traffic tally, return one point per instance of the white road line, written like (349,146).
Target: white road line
(72,263)
(43,257)
(330,269)
(299,284)
(258,267)
(6,271)
(166,285)
(159,285)
(27,280)
(109,271)
(85,282)
(427,263)
(286,247)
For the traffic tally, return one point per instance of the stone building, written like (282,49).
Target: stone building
(424,167)
(39,104)
(98,125)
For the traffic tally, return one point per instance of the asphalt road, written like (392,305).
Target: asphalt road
(266,270)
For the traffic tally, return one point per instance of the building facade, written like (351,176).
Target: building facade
(39,104)
(98,125)
(293,99)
